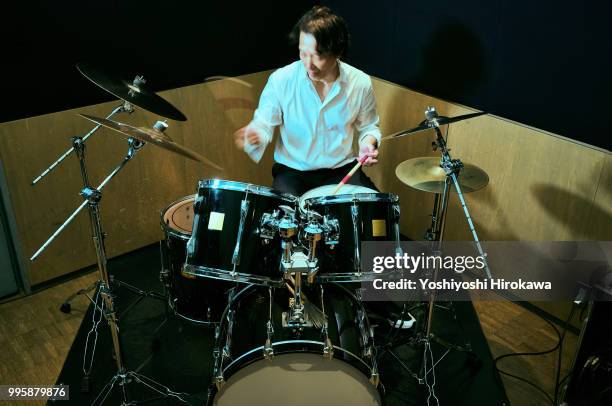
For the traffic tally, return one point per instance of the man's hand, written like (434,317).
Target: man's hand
(369,147)
(246,133)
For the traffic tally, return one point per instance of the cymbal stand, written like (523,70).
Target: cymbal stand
(452,168)
(435,234)
(124,107)
(92,197)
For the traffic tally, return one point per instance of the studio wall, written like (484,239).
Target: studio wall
(533,193)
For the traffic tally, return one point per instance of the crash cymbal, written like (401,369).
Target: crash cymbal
(427,124)
(426,174)
(152,136)
(131,91)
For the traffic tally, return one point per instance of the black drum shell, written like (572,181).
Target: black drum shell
(200,300)
(381,209)
(215,248)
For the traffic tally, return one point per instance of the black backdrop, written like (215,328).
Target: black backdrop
(171,43)
(544,63)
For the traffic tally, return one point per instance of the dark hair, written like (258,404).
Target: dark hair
(330,31)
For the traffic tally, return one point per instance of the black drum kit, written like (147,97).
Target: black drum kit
(273,274)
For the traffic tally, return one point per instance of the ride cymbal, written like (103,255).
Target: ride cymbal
(153,136)
(426,174)
(132,92)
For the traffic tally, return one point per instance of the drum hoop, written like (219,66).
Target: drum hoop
(244,187)
(221,274)
(285,342)
(350,198)
(346,277)
(169,230)
(204,323)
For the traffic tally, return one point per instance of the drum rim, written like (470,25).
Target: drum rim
(235,365)
(166,228)
(200,271)
(225,184)
(350,198)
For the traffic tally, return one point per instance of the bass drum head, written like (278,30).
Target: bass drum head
(298,379)
(328,189)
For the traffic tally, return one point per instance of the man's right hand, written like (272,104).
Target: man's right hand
(246,133)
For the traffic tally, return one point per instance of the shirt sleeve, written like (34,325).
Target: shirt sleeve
(268,114)
(367,119)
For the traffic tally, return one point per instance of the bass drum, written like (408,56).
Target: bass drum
(260,361)
(199,300)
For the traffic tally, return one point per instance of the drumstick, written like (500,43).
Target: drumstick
(351,173)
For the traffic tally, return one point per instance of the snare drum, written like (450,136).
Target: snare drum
(226,242)
(360,214)
(258,361)
(197,300)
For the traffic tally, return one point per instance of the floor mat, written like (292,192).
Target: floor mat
(157,345)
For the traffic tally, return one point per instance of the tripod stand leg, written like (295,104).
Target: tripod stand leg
(66,307)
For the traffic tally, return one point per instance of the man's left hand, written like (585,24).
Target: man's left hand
(369,147)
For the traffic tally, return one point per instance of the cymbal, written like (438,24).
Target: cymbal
(131,91)
(426,125)
(152,136)
(426,174)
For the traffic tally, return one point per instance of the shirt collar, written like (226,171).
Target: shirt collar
(342,76)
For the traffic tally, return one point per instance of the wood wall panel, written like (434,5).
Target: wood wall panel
(542,187)
(132,201)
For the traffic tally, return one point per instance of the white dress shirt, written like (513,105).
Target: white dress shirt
(314,134)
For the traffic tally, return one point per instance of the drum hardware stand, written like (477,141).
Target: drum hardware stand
(435,234)
(302,313)
(92,197)
(124,107)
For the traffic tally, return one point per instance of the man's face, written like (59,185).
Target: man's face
(318,66)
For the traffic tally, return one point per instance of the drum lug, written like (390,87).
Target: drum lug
(331,231)
(219,381)
(226,353)
(268,351)
(357,255)
(374,378)
(244,210)
(328,349)
(217,369)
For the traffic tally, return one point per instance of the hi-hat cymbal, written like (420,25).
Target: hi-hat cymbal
(152,136)
(132,92)
(426,174)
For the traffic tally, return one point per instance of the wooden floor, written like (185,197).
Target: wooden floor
(35,338)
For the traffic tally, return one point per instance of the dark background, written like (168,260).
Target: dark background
(543,63)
